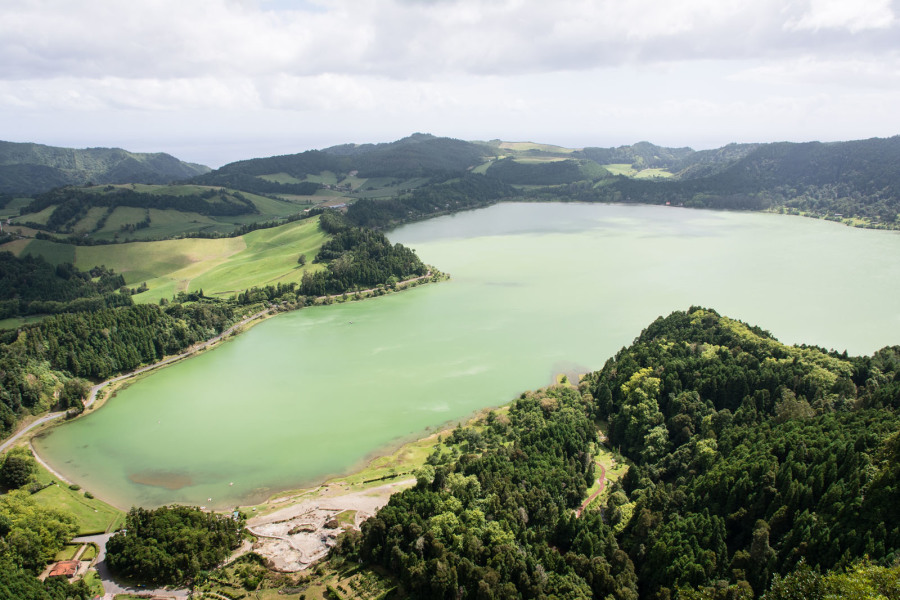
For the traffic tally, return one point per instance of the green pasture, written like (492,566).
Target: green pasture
(270,257)
(653,174)
(12,207)
(381,187)
(51,251)
(93,515)
(39,217)
(89,222)
(16,322)
(483,167)
(526,160)
(526,146)
(325,178)
(217,266)
(280,178)
(629,171)
(354,181)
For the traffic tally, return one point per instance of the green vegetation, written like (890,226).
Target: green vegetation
(91,515)
(220,267)
(171,545)
(17,469)
(752,462)
(30,285)
(750,456)
(358,258)
(31,168)
(31,535)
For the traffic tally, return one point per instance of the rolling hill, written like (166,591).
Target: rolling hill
(27,168)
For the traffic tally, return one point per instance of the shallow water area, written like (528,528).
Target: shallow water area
(536,289)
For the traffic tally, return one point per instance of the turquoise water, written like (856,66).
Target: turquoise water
(536,289)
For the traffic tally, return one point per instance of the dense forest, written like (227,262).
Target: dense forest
(172,545)
(464,193)
(358,258)
(756,468)
(31,285)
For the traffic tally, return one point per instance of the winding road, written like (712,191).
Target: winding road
(92,397)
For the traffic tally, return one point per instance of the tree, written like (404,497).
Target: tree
(17,470)
(302,260)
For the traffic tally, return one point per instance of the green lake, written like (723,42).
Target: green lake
(536,289)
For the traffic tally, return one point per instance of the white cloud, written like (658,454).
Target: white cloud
(567,71)
(855,15)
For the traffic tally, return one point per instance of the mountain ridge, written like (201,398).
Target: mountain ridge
(28,168)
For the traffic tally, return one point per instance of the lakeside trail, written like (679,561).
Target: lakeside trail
(602,481)
(95,390)
(192,350)
(92,397)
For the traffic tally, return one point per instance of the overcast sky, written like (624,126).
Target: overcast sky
(213,81)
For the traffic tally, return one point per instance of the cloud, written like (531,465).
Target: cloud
(174,39)
(839,14)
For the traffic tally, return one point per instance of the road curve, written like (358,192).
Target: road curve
(92,397)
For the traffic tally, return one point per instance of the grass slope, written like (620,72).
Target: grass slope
(218,266)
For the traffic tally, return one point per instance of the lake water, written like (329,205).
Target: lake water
(536,289)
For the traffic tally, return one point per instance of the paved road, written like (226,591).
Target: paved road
(110,586)
(21,432)
(92,397)
(196,348)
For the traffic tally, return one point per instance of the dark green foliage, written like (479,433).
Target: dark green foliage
(558,172)
(419,155)
(16,470)
(358,259)
(467,192)
(33,168)
(110,341)
(171,545)
(18,584)
(751,456)
(642,155)
(853,179)
(31,285)
(256,185)
(497,521)
(96,345)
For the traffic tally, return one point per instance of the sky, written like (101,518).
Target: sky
(214,81)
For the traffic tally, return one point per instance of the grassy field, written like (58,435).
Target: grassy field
(93,515)
(270,257)
(628,171)
(168,222)
(39,217)
(217,266)
(52,252)
(525,160)
(525,146)
(16,322)
(12,207)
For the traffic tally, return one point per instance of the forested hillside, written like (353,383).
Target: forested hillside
(751,462)
(33,168)
(99,333)
(30,285)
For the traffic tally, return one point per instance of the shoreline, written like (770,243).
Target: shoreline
(105,390)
